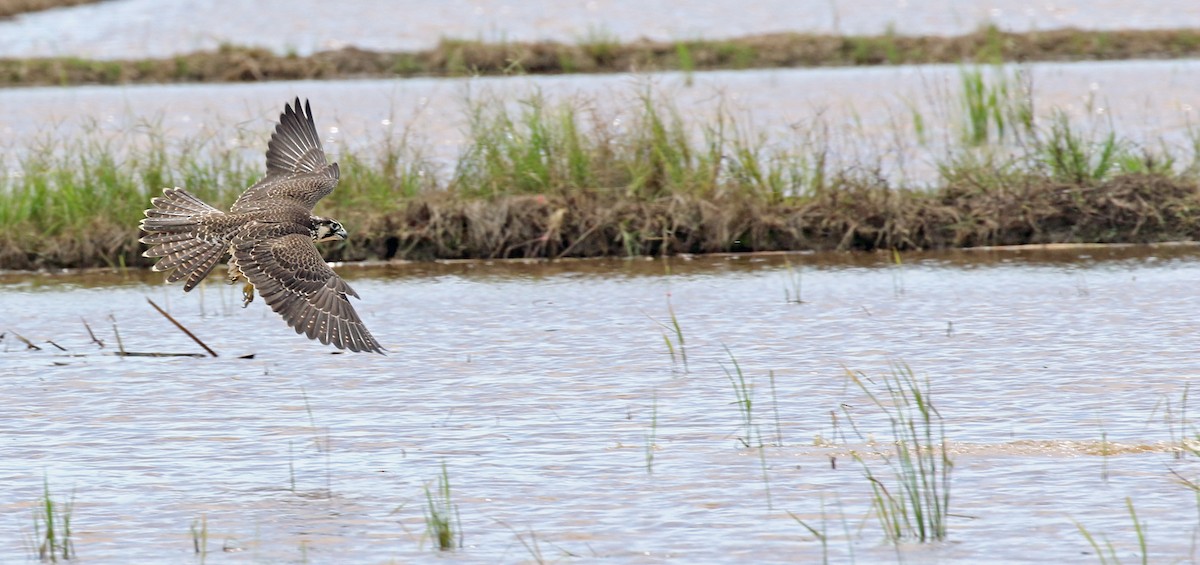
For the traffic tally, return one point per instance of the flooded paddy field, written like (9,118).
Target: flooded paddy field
(568,429)
(903,120)
(140,28)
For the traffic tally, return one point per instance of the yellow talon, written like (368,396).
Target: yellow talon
(247,295)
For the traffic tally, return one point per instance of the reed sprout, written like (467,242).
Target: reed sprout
(1106,553)
(442,521)
(52,527)
(912,503)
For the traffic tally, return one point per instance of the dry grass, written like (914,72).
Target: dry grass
(852,216)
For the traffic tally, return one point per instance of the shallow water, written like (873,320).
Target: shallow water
(859,117)
(147,28)
(537,386)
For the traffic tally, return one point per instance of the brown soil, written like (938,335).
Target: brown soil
(855,216)
(456,58)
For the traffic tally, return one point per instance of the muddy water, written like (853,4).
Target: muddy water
(858,117)
(141,28)
(537,386)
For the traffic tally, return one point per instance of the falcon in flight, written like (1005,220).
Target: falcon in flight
(271,234)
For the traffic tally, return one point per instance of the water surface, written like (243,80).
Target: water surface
(537,386)
(864,118)
(148,28)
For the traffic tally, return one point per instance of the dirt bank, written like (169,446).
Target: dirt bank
(590,223)
(461,58)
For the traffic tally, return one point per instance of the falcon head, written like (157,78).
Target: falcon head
(325,229)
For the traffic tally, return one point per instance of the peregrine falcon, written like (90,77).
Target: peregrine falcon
(270,234)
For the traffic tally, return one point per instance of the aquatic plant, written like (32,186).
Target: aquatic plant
(323,444)
(1183,436)
(914,502)
(532,547)
(744,393)
(775,408)
(52,527)
(677,347)
(442,521)
(821,534)
(652,435)
(1112,556)
(199,531)
(792,292)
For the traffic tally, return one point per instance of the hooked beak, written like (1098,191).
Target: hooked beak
(338,235)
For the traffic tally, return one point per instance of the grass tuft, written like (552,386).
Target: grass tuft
(52,527)
(1071,157)
(914,503)
(442,521)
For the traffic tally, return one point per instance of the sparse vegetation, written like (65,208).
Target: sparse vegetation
(52,527)
(550,180)
(744,393)
(1105,551)
(652,436)
(914,503)
(199,531)
(442,523)
(676,347)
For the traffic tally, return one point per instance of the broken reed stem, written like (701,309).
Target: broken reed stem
(181,328)
(28,344)
(92,334)
(117,333)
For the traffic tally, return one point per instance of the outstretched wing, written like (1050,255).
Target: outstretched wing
(296,165)
(299,285)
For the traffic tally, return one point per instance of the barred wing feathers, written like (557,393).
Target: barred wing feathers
(299,285)
(296,166)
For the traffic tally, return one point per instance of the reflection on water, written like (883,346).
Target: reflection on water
(537,385)
(141,28)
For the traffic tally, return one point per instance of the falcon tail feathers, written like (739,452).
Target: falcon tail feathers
(172,230)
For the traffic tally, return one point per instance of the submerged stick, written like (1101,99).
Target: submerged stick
(92,334)
(155,354)
(120,345)
(28,344)
(181,328)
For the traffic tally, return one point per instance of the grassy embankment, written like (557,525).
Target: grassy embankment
(552,180)
(603,53)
